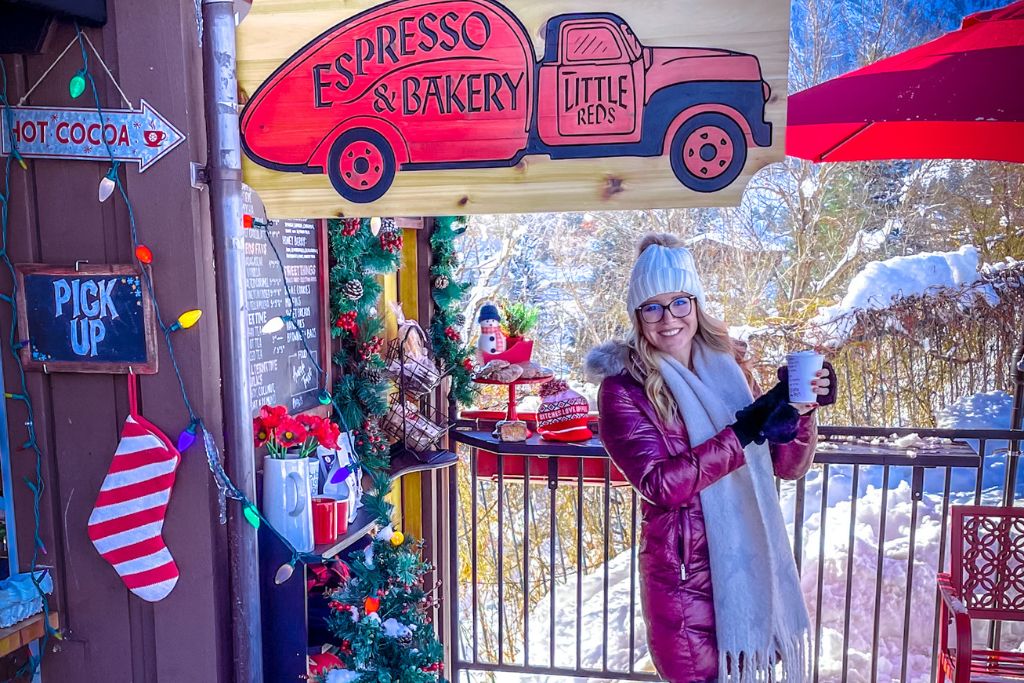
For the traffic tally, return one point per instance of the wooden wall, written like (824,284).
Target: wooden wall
(110,635)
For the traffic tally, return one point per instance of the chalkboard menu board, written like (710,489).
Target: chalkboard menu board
(85,319)
(280,370)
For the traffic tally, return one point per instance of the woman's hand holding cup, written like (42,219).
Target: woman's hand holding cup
(811,380)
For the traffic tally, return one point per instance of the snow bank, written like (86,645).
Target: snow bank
(880,283)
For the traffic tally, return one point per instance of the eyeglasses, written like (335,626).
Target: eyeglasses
(654,312)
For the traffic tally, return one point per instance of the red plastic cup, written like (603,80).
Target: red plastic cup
(342,507)
(325,520)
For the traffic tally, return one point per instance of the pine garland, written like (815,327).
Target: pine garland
(449,347)
(380,615)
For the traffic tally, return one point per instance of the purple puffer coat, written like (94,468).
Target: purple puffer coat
(669,473)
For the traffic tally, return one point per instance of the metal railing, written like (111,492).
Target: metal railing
(545,540)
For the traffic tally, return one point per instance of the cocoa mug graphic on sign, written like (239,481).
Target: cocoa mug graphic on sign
(802,367)
(154,138)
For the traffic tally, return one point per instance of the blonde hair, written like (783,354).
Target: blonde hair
(643,357)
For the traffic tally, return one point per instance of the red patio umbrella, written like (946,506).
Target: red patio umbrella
(960,96)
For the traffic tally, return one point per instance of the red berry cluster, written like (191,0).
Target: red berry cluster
(468,364)
(391,241)
(349,227)
(452,334)
(368,433)
(337,606)
(346,647)
(374,345)
(347,322)
(436,667)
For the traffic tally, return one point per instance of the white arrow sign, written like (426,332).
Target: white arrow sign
(139,135)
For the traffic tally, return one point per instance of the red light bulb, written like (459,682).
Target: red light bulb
(144,254)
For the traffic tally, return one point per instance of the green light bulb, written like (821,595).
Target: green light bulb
(251,516)
(325,398)
(77,85)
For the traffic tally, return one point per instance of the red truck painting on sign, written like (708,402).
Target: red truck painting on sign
(432,84)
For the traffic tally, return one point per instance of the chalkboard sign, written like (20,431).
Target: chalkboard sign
(280,370)
(85,319)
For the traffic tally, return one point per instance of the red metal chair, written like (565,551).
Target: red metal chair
(986,581)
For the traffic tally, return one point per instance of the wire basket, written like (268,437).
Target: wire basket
(406,423)
(410,364)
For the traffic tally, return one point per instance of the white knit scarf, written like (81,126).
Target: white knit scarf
(760,617)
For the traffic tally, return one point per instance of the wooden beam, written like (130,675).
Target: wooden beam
(409,295)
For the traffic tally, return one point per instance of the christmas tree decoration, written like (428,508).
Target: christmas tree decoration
(107,185)
(491,339)
(284,572)
(146,567)
(186,320)
(144,254)
(360,254)
(450,349)
(252,515)
(188,436)
(353,290)
(397,539)
(349,227)
(76,86)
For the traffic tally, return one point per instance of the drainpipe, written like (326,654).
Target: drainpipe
(224,166)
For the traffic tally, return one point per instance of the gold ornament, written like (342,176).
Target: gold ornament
(397,539)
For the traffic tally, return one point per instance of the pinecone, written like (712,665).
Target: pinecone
(388,225)
(459,320)
(353,290)
(441,282)
(374,375)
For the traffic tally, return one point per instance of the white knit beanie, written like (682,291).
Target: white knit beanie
(660,270)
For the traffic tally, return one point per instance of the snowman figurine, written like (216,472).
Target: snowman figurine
(492,340)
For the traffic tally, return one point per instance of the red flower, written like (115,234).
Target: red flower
(290,432)
(272,416)
(328,434)
(260,433)
(310,422)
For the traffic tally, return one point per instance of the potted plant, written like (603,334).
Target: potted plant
(518,320)
(286,491)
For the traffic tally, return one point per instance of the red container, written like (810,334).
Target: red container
(342,508)
(325,520)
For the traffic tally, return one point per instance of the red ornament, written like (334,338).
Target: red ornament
(371,605)
(323,662)
(468,364)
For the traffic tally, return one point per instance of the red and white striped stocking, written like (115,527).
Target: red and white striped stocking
(127,521)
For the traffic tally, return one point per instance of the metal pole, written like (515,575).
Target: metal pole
(224,166)
(1013,456)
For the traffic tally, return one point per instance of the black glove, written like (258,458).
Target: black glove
(750,420)
(782,424)
(824,400)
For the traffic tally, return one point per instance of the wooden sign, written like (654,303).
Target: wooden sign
(85,319)
(133,135)
(281,372)
(475,106)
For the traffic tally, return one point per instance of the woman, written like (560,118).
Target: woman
(719,586)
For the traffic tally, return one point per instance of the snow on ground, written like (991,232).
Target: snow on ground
(880,283)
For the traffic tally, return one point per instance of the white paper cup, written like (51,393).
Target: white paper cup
(802,367)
